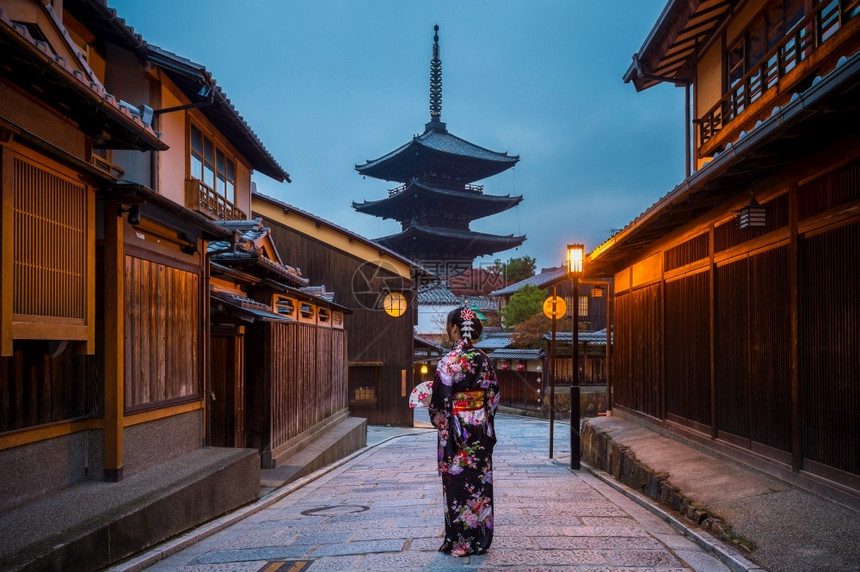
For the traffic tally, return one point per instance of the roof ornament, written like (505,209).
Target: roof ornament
(436,81)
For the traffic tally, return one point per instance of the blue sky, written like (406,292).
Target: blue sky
(329,84)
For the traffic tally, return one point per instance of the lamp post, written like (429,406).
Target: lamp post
(575,256)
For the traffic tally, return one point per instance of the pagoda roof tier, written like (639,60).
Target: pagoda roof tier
(438,151)
(403,202)
(433,243)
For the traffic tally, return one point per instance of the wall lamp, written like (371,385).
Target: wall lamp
(206,91)
(133,213)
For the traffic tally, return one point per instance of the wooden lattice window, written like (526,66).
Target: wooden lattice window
(363,384)
(48,253)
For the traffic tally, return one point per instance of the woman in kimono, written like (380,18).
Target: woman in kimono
(462,406)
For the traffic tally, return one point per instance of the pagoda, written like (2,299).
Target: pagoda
(437,199)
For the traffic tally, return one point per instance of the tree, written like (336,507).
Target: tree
(516,269)
(527,302)
(529,334)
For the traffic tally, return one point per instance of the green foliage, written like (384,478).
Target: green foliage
(516,269)
(527,302)
(529,333)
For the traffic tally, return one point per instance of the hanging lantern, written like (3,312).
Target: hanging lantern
(521,365)
(752,216)
(597,292)
(504,365)
(394,304)
(424,369)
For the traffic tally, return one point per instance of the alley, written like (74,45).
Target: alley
(381,511)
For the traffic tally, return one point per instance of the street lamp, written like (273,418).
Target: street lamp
(575,258)
(575,254)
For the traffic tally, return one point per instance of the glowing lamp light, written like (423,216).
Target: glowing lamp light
(394,304)
(424,369)
(575,255)
(597,292)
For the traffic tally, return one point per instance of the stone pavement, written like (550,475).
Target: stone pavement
(380,509)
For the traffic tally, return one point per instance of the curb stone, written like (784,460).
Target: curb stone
(725,554)
(172,546)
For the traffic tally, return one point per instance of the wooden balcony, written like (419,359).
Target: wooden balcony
(468,187)
(810,49)
(203,199)
(105,165)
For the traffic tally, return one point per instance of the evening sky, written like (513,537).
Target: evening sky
(330,84)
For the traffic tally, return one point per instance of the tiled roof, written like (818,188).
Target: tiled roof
(249,309)
(477,203)
(473,162)
(597,338)
(494,341)
(449,143)
(481,303)
(427,342)
(469,237)
(137,193)
(546,278)
(348,233)
(437,295)
(189,76)
(680,31)
(446,143)
(246,251)
(819,115)
(517,354)
(82,92)
(318,292)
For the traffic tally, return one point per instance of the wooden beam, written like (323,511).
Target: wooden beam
(794,333)
(90,346)
(7,251)
(114,347)
(712,329)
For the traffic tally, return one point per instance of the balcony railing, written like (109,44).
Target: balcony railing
(201,197)
(473,188)
(106,166)
(798,45)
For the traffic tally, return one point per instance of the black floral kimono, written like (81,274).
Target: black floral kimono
(463,404)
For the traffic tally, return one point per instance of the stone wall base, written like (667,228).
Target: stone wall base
(601,452)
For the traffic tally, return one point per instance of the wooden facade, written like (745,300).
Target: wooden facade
(360,273)
(744,338)
(299,382)
(285,374)
(105,291)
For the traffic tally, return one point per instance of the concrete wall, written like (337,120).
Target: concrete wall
(152,443)
(30,472)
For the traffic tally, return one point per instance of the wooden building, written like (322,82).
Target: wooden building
(108,211)
(522,383)
(376,285)
(592,298)
(736,293)
(437,200)
(278,349)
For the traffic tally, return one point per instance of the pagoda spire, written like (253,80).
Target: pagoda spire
(436,86)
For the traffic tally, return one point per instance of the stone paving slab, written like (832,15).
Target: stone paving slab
(382,510)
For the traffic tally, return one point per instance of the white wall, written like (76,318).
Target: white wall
(431,318)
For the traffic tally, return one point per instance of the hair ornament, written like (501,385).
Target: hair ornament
(467,315)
